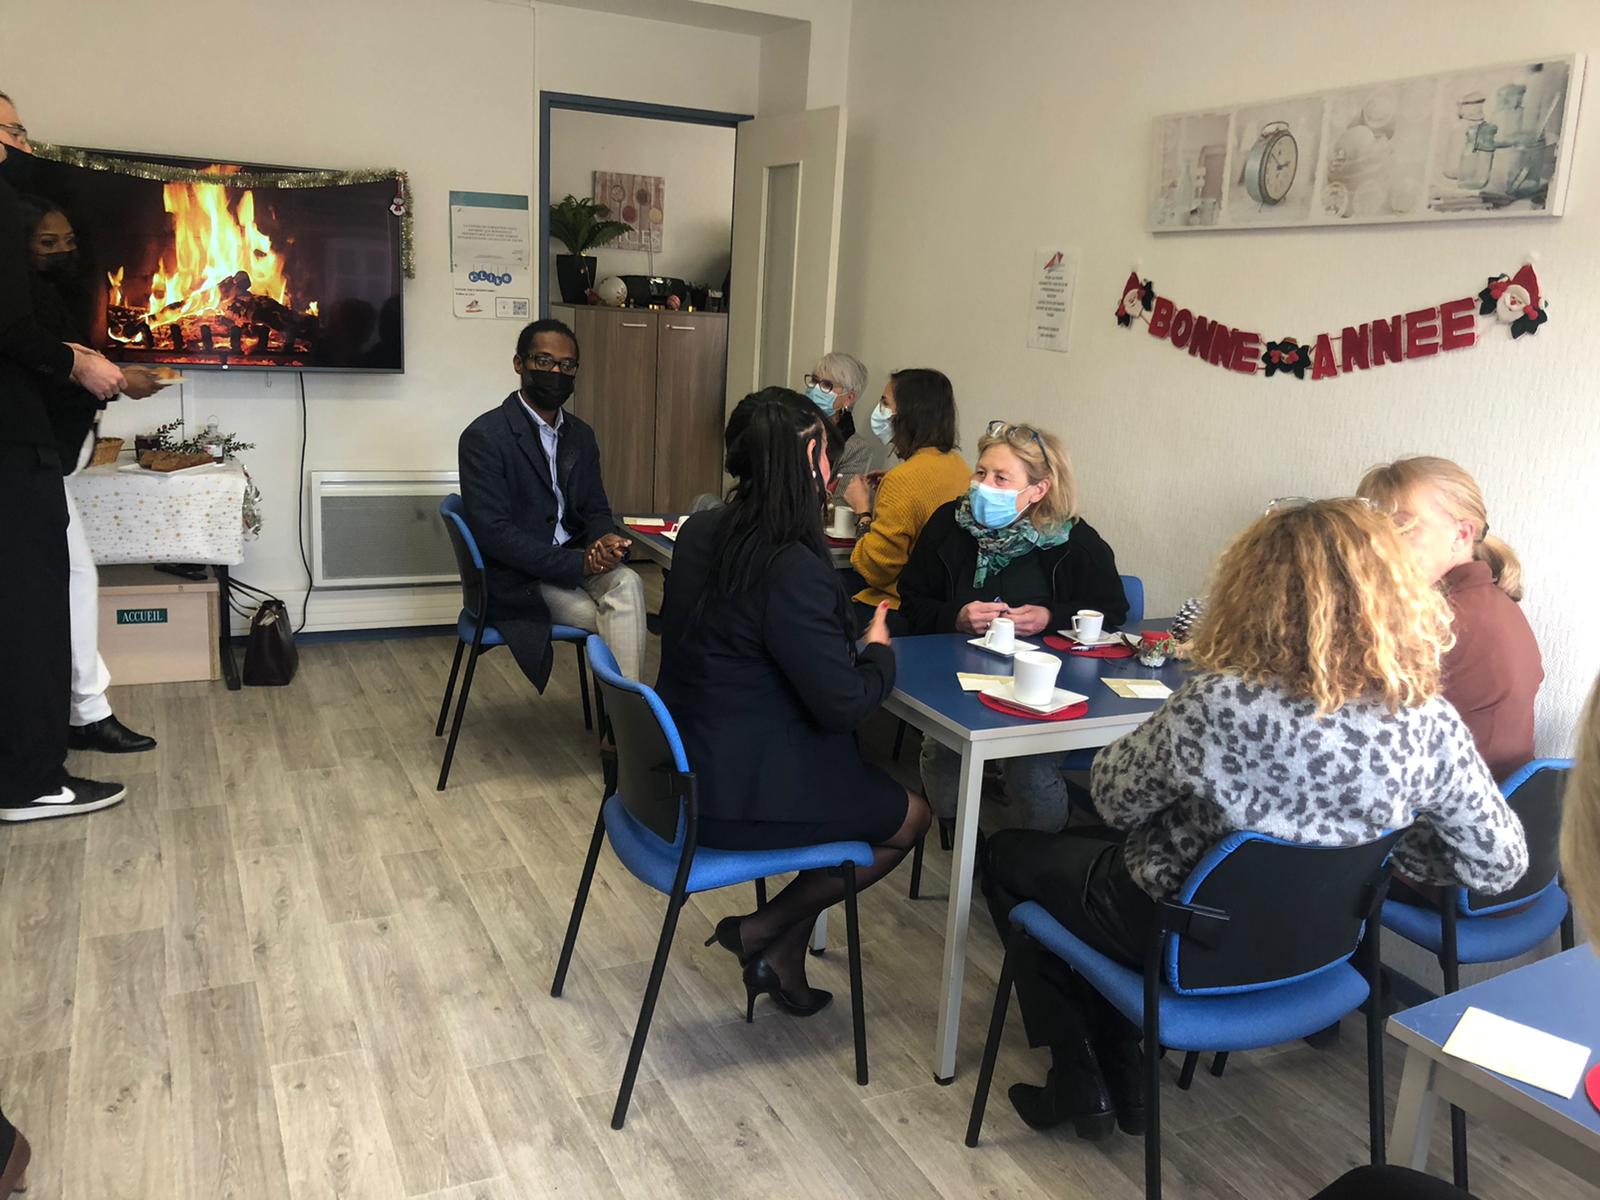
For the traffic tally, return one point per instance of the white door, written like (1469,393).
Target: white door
(788,175)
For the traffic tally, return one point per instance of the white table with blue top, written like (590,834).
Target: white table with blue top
(1559,995)
(928,696)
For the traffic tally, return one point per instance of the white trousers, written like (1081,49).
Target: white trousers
(611,605)
(89,675)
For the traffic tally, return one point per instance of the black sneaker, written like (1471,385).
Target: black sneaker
(76,796)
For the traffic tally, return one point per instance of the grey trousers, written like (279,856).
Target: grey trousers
(611,605)
(1036,794)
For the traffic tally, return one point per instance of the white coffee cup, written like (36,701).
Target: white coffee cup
(1002,635)
(1033,676)
(1087,624)
(844,521)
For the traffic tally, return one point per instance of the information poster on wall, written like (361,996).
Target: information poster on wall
(1050,300)
(489,241)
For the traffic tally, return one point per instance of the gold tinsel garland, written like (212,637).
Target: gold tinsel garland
(160,172)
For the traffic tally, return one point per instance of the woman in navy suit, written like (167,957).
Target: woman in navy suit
(760,672)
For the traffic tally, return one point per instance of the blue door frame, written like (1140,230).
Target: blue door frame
(617,108)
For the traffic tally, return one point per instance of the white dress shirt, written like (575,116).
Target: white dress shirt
(549,438)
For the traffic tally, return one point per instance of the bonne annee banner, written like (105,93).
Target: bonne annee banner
(1512,300)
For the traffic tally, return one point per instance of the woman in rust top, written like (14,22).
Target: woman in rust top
(1494,670)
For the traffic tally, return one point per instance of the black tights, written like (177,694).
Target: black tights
(781,930)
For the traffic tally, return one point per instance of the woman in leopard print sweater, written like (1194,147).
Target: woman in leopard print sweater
(1314,715)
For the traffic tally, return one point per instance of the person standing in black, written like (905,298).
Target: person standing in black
(34,783)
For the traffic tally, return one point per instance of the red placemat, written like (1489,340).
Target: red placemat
(1068,713)
(1592,1085)
(669,527)
(838,541)
(1061,643)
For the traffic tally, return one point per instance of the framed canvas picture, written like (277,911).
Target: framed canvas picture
(640,200)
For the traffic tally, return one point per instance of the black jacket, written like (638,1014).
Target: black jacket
(937,581)
(766,689)
(30,357)
(511,510)
(73,411)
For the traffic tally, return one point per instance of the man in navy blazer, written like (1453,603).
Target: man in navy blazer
(530,483)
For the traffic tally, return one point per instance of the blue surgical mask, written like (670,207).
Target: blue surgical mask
(992,507)
(822,398)
(882,423)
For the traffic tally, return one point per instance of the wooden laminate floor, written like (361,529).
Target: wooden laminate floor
(287,967)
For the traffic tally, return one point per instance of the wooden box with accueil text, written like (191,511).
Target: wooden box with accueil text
(157,628)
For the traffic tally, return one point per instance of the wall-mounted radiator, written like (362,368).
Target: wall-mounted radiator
(380,528)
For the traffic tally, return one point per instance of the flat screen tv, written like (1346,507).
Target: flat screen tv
(194,274)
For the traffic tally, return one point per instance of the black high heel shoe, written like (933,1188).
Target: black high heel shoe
(726,935)
(760,978)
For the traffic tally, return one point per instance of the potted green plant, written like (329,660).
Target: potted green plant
(581,225)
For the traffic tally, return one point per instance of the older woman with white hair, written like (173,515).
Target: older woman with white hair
(834,385)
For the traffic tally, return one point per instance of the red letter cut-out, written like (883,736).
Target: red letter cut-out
(1422,333)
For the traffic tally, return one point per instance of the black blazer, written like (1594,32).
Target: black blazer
(73,411)
(937,581)
(511,510)
(767,689)
(30,358)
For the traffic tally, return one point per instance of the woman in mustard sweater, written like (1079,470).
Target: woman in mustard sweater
(919,408)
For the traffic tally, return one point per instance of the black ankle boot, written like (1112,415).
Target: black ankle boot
(1075,1090)
(1123,1065)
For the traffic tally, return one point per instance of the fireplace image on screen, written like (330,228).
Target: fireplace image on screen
(199,274)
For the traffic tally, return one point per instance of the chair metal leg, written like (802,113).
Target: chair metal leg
(1375,1045)
(449,688)
(583,686)
(761,894)
(858,1005)
(1186,1076)
(899,741)
(916,868)
(647,1009)
(578,902)
(1569,935)
(1219,1064)
(1152,1071)
(1450,966)
(455,725)
(997,1025)
(947,833)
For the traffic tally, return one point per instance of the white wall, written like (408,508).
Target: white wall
(445,90)
(972,142)
(696,161)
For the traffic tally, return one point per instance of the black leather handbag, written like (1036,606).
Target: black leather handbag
(270,657)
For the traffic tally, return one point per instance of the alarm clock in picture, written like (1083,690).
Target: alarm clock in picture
(1270,167)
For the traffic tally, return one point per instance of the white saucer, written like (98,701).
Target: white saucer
(1105,639)
(1059,698)
(1016,645)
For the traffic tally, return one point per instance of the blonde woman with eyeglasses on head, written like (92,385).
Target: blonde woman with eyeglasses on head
(1014,546)
(1492,674)
(1314,716)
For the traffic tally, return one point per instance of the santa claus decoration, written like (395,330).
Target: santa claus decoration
(1137,297)
(1515,301)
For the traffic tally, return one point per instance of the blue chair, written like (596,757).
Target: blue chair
(651,813)
(1469,927)
(1233,964)
(473,629)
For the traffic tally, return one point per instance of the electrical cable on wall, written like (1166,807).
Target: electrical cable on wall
(300,505)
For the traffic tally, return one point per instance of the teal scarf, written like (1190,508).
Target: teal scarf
(999,548)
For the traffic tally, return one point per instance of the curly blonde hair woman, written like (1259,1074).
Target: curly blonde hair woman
(1493,673)
(1315,717)
(1325,602)
(1580,831)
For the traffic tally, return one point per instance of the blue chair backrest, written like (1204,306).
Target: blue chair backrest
(1133,589)
(1293,911)
(469,562)
(1534,793)
(653,777)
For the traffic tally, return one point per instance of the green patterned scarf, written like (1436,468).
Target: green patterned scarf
(999,548)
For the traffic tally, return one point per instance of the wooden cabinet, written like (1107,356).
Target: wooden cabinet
(652,385)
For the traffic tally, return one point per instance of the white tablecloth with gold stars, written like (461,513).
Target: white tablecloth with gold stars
(137,516)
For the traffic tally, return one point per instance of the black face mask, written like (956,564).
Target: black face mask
(62,266)
(547,390)
(17,169)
